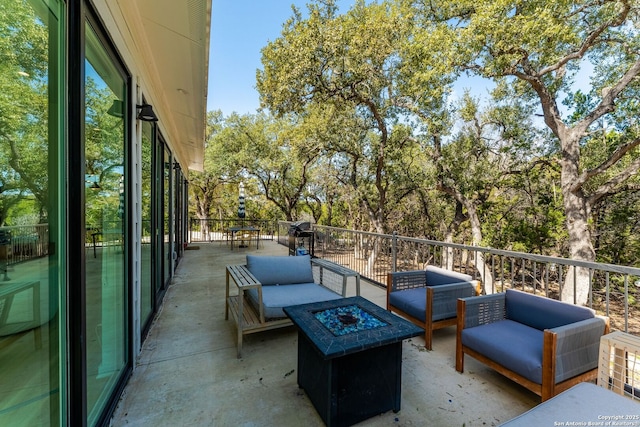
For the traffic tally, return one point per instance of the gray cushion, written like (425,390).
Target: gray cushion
(585,402)
(440,276)
(513,345)
(280,270)
(541,312)
(275,297)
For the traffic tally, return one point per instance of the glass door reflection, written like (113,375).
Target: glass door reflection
(105,218)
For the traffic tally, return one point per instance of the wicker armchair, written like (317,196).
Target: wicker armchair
(428,297)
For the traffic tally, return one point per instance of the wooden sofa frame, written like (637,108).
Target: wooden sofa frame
(549,387)
(247,319)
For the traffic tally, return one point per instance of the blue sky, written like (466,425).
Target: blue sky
(239,30)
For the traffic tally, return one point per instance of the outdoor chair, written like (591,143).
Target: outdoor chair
(428,297)
(542,344)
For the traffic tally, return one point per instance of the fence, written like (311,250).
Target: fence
(613,289)
(22,243)
(209,230)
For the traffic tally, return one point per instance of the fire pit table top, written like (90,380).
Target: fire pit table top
(349,325)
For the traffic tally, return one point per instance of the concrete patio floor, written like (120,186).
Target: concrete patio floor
(188,373)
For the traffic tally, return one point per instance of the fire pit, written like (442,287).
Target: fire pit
(350,358)
(347,320)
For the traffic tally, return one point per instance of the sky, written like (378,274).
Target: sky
(239,30)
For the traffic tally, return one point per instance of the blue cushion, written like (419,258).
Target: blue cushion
(440,276)
(445,297)
(275,297)
(541,312)
(281,270)
(515,346)
(411,301)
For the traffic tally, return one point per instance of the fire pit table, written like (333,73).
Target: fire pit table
(350,358)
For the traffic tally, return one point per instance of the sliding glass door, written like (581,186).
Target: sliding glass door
(32,251)
(106,219)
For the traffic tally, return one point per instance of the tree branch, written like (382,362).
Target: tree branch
(614,183)
(589,41)
(609,96)
(602,167)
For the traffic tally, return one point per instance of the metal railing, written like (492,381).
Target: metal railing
(614,290)
(211,230)
(23,243)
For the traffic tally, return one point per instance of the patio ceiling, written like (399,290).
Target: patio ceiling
(170,40)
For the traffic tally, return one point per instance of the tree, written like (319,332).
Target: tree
(206,187)
(350,63)
(476,164)
(277,152)
(541,48)
(23,108)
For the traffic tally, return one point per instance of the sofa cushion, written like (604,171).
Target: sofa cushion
(281,270)
(514,345)
(541,312)
(439,276)
(275,297)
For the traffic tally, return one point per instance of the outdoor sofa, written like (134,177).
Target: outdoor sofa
(544,345)
(428,298)
(267,284)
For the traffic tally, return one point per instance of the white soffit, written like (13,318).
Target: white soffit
(174,43)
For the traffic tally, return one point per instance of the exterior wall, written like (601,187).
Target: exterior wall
(85,255)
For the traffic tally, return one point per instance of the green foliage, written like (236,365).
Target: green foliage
(23,108)
(359,128)
(347,67)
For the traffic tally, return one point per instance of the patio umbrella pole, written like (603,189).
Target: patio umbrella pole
(241,214)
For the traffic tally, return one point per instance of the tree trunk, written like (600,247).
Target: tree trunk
(447,251)
(372,257)
(576,287)
(203,210)
(476,232)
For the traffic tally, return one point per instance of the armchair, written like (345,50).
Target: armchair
(542,344)
(428,297)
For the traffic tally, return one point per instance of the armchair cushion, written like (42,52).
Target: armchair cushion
(280,270)
(445,297)
(543,313)
(514,345)
(411,301)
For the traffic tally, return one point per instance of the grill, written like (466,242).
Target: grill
(5,253)
(5,237)
(301,238)
(299,228)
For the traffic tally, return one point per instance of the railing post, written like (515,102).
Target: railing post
(394,252)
